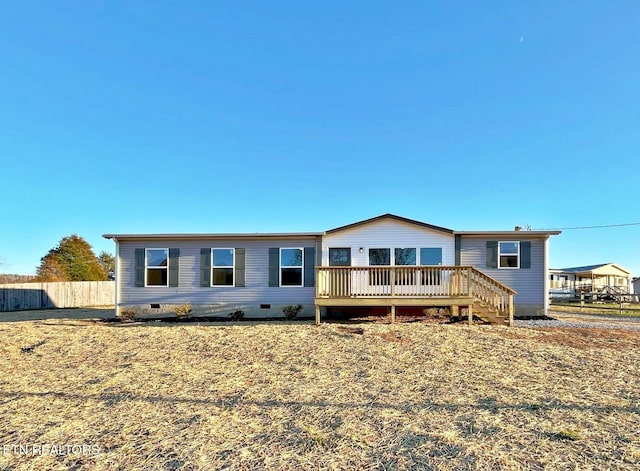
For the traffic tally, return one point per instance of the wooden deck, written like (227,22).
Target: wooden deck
(393,286)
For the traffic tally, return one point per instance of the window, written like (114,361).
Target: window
(222,263)
(156,269)
(339,257)
(379,257)
(291,267)
(508,254)
(404,257)
(430,256)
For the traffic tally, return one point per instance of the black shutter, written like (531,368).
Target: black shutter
(174,266)
(240,266)
(274,266)
(525,254)
(205,267)
(139,266)
(492,254)
(309,266)
(458,245)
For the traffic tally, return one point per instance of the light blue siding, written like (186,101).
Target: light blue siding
(528,282)
(255,292)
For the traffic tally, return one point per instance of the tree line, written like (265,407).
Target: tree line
(72,259)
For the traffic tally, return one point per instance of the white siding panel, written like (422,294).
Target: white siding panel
(528,282)
(387,233)
(255,291)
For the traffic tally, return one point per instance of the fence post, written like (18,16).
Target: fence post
(581,301)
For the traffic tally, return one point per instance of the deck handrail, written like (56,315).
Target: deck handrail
(493,281)
(419,281)
(493,293)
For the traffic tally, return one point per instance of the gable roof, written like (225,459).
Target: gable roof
(584,268)
(589,268)
(394,217)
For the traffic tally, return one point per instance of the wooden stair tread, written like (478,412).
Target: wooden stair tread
(488,313)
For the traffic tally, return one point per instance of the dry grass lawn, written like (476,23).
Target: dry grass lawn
(292,396)
(604,310)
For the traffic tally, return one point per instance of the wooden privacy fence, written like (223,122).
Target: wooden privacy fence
(23,296)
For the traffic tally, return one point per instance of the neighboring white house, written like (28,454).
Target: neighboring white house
(601,278)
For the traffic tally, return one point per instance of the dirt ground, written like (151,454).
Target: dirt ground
(290,396)
(106,312)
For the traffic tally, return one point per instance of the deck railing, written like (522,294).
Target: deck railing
(413,281)
(493,293)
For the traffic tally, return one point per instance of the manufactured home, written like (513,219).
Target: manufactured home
(601,281)
(387,262)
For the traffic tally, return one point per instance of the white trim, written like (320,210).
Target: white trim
(546,285)
(116,274)
(146,267)
(281,266)
(233,267)
(517,254)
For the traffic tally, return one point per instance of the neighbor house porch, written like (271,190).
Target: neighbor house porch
(455,287)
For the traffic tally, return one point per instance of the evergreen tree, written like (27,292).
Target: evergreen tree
(72,260)
(108,264)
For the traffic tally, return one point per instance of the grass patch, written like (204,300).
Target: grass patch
(289,395)
(605,309)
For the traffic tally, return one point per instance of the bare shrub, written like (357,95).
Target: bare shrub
(183,311)
(292,310)
(128,314)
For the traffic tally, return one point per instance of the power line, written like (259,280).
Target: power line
(589,227)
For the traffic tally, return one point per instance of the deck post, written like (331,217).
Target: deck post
(455,311)
(470,314)
(317,315)
(511,309)
(393,313)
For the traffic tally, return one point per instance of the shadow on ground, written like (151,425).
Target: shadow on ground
(45,314)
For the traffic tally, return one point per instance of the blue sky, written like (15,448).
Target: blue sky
(302,116)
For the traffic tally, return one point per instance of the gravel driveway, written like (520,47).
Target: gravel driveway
(576,319)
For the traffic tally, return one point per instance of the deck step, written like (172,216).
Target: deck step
(489,313)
